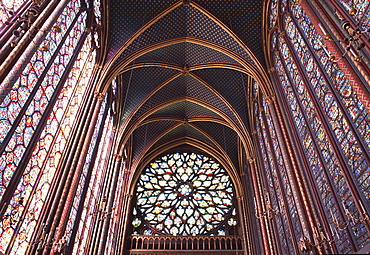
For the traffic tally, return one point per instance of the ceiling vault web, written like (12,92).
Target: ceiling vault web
(122,64)
(184,77)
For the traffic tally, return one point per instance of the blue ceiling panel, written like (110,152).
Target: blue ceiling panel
(231,84)
(186,54)
(138,83)
(225,137)
(126,17)
(185,21)
(144,135)
(244,18)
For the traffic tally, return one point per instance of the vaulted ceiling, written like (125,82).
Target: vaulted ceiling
(184,71)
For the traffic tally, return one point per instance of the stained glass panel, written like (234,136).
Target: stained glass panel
(290,192)
(113,240)
(8,8)
(91,203)
(359,10)
(86,168)
(27,79)
(36,106)
(274,191)
(97,11)
(38,176)
(325,95)
(353,142)
(273,12)
(310,144)
(340,82)
(280,193)
(183,194)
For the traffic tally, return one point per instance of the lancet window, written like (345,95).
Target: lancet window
(93,182)
(279,193)
(40,101)
(331,122)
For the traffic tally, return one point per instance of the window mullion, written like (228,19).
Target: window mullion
(273,168)
(13,184)
(334,92)
(323,162)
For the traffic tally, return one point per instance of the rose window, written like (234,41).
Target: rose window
(184,194)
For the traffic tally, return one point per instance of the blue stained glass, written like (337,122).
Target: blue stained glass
(326,95)
(340,82)
(273,12)
(278,181)
(312,154)
(360,11)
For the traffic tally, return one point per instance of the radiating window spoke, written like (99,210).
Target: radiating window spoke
(184,194)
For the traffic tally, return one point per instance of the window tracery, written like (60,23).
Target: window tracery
(93,194)
(330,120)
(49,90)
(184,194)
(8,8)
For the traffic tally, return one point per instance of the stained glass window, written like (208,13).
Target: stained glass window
(341,85)
(273,12)
(316,145)
(24,113)
(8,8)
(115,226)
(184,194)
(329,118)
(37,118)
(359,10)
(93,195)
(43,164)
(97,11)
(86,176)
(279,193)
(354,143)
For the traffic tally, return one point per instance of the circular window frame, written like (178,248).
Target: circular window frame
(183,192)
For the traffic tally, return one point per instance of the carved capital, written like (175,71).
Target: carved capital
(99,95)
(252,160)
(272,69)
(118,157)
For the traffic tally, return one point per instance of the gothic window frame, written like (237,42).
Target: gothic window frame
(227,224)
(340,206)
